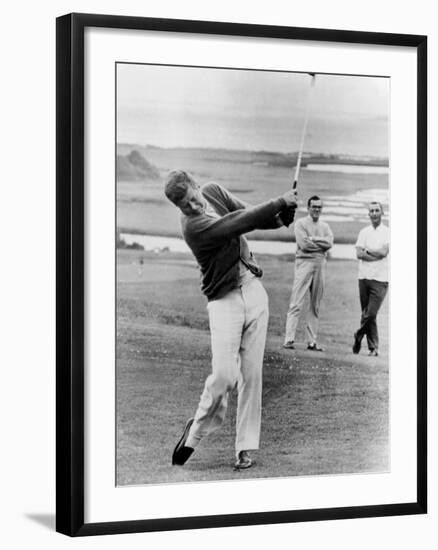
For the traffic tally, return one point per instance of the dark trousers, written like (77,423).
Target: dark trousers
(371,293)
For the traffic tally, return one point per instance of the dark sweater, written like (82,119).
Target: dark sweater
(217,243)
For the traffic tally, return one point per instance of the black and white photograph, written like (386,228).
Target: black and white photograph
(232,223)
(253,262)
(217,275)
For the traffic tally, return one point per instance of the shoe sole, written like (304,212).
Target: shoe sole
(243,467)
(183,439)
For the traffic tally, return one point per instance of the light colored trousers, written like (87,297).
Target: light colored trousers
(309,276)
(238,325)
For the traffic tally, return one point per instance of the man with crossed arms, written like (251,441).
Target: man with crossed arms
(372,249)
(314,238)
(213,223)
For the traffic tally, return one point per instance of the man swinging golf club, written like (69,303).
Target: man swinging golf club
(213,223)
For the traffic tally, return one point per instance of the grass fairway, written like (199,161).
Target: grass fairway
(323,413)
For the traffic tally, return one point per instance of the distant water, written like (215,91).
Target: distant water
(338,209)
(352,208)
(157,244)
(347,168)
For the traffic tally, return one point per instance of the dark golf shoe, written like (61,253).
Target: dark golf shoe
(314,347)
(357,344)
(181,453)
(243,461)
(289,345)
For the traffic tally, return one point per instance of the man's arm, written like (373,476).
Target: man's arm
(321,242)
(233,203)
(304,241)
(211,232)
(379,253)
(326,242)
(226,202)
(221,199)
(363,254)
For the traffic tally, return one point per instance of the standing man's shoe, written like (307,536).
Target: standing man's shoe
(357,344)
(289,345)
(182,453)
(314,347)
(243,461)
(373,353)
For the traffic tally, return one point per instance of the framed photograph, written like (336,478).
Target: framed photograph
(241,274)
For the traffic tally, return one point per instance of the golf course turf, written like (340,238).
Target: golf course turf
(323,413)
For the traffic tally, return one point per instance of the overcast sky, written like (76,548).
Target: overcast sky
(237,109)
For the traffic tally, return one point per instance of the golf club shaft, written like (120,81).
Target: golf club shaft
(303,134)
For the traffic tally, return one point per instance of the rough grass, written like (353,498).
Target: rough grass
(323,413)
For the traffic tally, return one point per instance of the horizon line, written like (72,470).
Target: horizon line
(269,151)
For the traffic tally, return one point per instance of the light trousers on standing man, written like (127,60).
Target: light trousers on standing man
(309,277)
(238,325)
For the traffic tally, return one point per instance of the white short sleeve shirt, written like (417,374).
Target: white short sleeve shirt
(374,238)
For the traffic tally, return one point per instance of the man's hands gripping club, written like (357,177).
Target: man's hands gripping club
(287,215)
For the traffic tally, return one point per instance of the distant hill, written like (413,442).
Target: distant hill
(267,158)
(134,167)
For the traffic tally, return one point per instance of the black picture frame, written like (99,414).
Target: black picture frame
(70,273)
